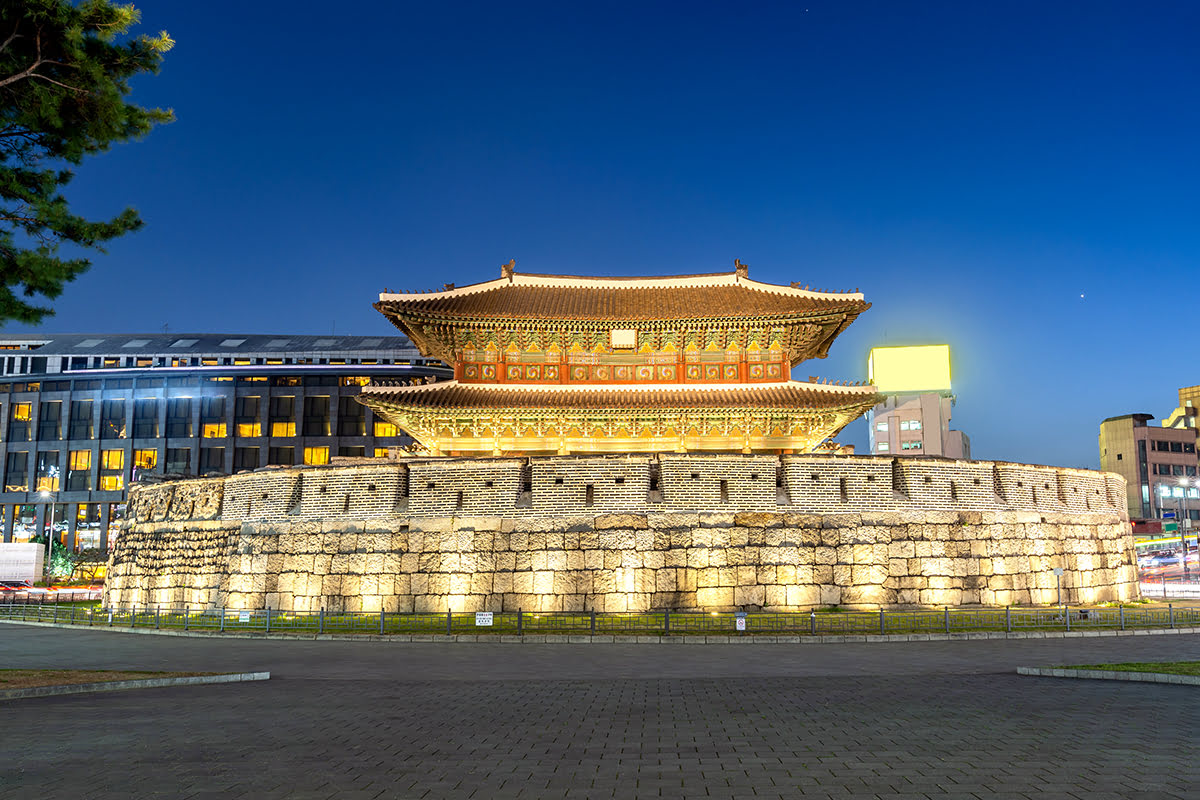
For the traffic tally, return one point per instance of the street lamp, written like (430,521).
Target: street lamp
(50,535)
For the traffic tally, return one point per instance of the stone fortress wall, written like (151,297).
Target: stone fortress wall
(637,532)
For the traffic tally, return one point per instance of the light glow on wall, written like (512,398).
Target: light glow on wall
(925,368)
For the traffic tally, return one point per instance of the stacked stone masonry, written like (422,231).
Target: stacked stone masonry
(627,533)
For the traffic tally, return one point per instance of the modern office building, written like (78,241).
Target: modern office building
(914,418)
(83,416)
(1159,464)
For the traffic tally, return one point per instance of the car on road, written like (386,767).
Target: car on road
(1158,560)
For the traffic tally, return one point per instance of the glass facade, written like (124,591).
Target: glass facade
(101,416)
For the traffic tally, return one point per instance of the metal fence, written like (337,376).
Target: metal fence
(652,623)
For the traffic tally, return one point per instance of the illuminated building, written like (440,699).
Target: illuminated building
(1159,464)
(558,365)
(914,417)
(81,416)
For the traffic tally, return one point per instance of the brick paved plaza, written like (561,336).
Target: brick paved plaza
(343,719)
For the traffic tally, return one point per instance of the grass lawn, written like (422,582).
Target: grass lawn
(1165,667)
(29,678)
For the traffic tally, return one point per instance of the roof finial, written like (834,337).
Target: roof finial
(507,270)
(742,270)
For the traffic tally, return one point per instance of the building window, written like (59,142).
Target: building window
(381,452)
(212,418)
(1118,456)
(316,415)
(355,381)
(385,428)
(21,419)
(245,458)
(883,447)
(212,459)
(112,470)
(913,445)
(283,416)
(246,417)
(112,419)
(881,426)
(50,421)
(316,455)
(47,471)
(179,460)
(352,417)
(145,419)
(79,471)
(16,472)
(281,456)
(179,417)
(145,459)
(352,452)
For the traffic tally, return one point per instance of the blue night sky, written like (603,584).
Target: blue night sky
(1017,180)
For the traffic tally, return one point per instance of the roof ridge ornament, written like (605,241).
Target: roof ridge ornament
(740,269)
(507,270)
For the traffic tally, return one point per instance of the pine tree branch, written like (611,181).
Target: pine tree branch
(27,72)
(11,36)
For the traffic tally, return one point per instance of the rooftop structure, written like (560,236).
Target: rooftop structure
(913,418)
(555,364)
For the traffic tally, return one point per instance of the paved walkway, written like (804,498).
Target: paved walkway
(344,719)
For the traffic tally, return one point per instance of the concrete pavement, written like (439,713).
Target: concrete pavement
(344,719)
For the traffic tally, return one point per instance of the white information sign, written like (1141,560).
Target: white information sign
(1058,570)
(483,618)
(740,622)
(244,616)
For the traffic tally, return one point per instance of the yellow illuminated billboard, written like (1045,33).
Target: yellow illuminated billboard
(925,368)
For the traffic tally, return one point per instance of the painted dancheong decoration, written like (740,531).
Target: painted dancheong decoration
(560,365)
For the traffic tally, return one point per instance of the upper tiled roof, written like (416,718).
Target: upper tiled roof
(788,395)
(681,297)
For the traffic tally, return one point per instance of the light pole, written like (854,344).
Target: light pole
(1184,485)
(49,536)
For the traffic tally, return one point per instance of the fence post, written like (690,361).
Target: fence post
(667,622)
(946,618)
(1121,614)
(1008,619)
(593,623)
(882,625)
(321,621)
(449,621)
(133,616)
(520,631)
(1067,617)
(72,614)
(381,621)
(54,617)
(1164,587)
(268,619)
(1171,613)
(185,618)
(812,622)
(157,610)
(222,619)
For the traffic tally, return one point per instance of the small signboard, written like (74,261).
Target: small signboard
(740,622)
(483,618)
(244,616)
(1170,527)
(1058,570)
(1168,515)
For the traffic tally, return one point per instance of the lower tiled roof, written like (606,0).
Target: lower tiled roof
(788,395)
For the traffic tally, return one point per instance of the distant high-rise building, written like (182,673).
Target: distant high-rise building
(914,418)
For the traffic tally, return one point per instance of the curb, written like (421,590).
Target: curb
(1110,675)
(679,639)
(144,683)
